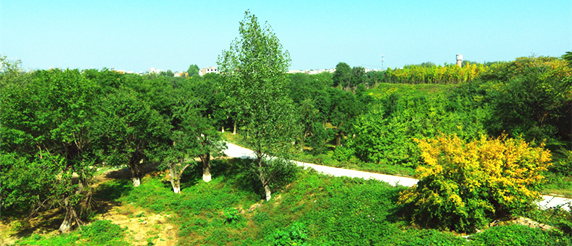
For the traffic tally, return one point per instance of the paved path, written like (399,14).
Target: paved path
(240,152)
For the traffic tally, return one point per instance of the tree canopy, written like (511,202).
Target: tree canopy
(254,68)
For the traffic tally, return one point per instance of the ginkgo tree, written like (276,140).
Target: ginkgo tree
(466,184)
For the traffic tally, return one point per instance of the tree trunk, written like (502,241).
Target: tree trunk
(267,192)
(173,177)
(264,180)
(67,223)
(338,139)
(70,217)
(136,181)
(135,172)
(206,167)
(222,129)
(234,129)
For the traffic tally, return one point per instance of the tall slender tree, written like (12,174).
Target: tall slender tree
(254,68)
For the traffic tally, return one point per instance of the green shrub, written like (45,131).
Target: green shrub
(428,237)
(295,234)
(101,232)
(342,153)
(517,235)
(232,215)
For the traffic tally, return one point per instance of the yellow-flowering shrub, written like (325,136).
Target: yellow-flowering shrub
(463,185)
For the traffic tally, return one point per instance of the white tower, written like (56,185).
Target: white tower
(459,60)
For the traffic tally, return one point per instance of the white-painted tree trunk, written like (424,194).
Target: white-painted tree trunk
(205,158)
(268,192)
(222,129)
(136,181)
(69,218)
(207,177)
(66,224)
(177,190)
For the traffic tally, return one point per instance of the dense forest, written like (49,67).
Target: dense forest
(442,124)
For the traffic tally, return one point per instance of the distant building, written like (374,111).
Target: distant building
(313,71)
(208,70)
(181,74)
(155,70)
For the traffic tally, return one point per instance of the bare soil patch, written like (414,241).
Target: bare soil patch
(142,227)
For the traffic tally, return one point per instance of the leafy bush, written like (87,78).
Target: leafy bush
(429,237)
(101,232)
(295,234)
(517,235)
(564,165)
(464,184)
(342,153)
(231,215)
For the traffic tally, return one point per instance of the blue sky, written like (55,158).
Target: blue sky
(137,35)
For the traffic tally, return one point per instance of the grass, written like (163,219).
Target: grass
(101,232)
(313,209)
(328,159)
(558,184)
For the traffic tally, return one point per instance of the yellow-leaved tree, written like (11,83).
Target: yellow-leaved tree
(463,185)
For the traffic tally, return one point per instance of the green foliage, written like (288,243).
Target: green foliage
(129,128)
(529,97)
(255,69)
(232,215)
(50,116)
(295,234)
(11,73)
(402,112)
(343,75)
(279,172)
(558,217)
(343,153)
(193,70)
(517,235)
(101,232)
(29,184)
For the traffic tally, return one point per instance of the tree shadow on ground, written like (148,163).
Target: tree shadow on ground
(114,184)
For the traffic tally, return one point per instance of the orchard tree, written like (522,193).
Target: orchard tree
(195,126)
(46,121)
(10,72)
(342,75)
(358,77)
(193,70)
(254,68)
(130,130)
